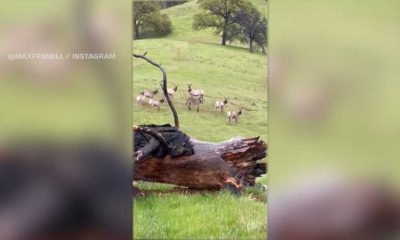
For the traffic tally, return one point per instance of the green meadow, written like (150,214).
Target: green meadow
(197,58)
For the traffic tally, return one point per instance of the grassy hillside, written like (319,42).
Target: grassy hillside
(221,71)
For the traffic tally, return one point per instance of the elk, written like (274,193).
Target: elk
(155,103)
(172,91)
(140,99)
(220,104)
(196,92)
(234,116)
(194,100)
(149,94)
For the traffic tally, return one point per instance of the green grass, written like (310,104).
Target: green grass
(168,212)
(200,216)
(220,72)
(196,57)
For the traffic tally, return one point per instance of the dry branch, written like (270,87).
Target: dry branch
(164,85)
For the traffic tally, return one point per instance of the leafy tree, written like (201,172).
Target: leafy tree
(261,37)
(234,32)
(147,19)
(219,15)
(253,27)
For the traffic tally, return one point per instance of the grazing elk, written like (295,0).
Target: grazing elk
(196,93)
(140,99)
(149,94)
(220,104)
(155,103)
(172,91)
(194,100)
(234,116)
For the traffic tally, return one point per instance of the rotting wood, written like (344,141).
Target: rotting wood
(184,161)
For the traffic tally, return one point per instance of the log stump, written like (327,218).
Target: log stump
(164,154)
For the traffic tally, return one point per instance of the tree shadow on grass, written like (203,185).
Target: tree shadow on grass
(256,193)
(241,48)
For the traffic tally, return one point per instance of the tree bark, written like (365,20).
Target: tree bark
(137,34)
(223,39)
(213,166)
(224,34)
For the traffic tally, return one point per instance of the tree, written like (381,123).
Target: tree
(147,19)
(261,37)
(253,27)
(219,15)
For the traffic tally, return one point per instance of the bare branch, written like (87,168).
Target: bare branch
(164,86)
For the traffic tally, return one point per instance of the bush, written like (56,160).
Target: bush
(149,22)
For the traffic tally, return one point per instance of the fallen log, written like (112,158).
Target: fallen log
(183,161)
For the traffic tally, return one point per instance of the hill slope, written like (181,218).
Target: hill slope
(221,71)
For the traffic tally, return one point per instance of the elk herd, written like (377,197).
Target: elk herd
(195,97)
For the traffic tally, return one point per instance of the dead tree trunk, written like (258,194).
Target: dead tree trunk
(165,155)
